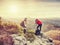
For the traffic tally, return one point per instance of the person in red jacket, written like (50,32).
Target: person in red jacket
(39,23)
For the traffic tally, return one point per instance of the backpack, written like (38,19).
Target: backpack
(37,32)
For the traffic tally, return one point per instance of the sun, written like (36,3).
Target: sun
(13,9)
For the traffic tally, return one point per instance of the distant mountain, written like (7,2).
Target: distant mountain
(49,0)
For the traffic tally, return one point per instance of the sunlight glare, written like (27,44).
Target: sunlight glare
(13,9)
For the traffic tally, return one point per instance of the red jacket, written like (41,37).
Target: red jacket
(38,21)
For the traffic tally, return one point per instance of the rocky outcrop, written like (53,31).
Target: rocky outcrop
(32,40)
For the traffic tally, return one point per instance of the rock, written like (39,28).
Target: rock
(22,40)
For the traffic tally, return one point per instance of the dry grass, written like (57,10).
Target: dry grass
(55,35)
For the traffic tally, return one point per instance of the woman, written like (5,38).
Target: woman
(23,24)
(39,23)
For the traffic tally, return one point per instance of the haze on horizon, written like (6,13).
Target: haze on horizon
(30,8)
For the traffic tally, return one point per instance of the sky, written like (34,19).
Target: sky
(30,8)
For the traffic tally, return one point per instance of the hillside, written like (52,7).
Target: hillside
(51,28)
(55,35)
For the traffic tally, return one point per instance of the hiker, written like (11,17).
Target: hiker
(39,23)
(23,24)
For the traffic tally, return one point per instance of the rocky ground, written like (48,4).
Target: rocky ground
(36,40)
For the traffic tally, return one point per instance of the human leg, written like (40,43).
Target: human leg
(40,26)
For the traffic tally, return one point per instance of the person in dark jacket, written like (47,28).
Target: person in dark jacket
(23,24)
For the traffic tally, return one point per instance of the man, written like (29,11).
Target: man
(23,24)
(39,23)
